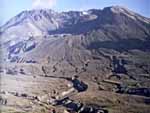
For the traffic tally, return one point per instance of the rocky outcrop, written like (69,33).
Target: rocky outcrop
(3,101)
(135,91)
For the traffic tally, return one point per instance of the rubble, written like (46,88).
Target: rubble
(3,101)
(79,85)
(22,71)
(133,91)
(11,72)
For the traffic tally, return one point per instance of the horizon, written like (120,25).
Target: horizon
(140,7)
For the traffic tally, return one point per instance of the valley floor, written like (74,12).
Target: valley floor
(40,93)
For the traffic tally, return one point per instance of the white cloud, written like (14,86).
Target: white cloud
(43,4)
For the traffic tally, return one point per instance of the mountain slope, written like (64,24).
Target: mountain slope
(39,34)
(99,28)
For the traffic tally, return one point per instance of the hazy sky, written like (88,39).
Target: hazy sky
(10,8)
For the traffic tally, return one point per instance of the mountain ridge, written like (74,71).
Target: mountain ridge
(36,13)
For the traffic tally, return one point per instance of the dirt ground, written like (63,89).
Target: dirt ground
(19,90)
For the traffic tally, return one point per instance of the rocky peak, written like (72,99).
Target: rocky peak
(48,22)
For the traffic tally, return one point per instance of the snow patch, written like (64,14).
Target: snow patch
(85,13)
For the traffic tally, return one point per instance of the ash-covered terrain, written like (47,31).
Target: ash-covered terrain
(94,61)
